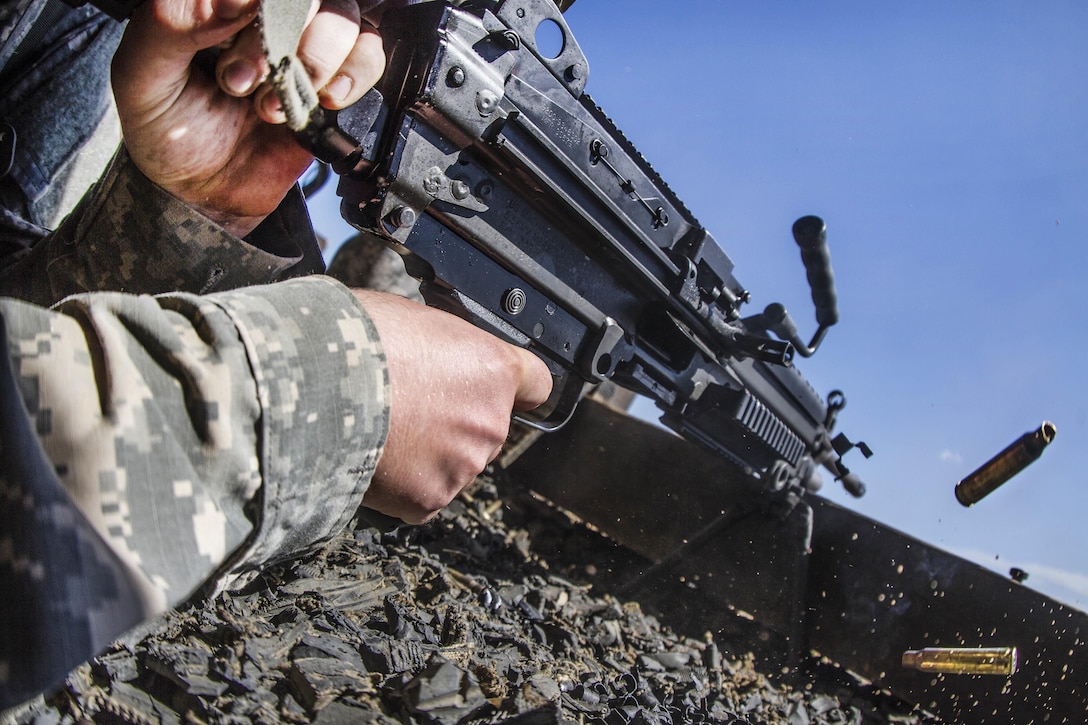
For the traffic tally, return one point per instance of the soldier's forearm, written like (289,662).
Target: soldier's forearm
(183,440)
(129,235)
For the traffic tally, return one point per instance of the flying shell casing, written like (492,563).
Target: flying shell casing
(1016,457)
(963,660)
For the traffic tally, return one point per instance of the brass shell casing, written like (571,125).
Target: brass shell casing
(963,660)
(988,477)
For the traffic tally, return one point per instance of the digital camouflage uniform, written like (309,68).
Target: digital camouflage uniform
(152,447)
(130,235)
(184,438)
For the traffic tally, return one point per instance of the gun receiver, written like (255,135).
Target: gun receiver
(519,206)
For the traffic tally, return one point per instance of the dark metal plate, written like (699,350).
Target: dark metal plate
(861,594)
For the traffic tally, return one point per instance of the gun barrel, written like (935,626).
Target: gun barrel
(1016,457)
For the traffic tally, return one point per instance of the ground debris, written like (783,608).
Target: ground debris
(488,615)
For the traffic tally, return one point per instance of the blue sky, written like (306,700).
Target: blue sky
(946,146)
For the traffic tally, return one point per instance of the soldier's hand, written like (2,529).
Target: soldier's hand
(210,135)
(454,388)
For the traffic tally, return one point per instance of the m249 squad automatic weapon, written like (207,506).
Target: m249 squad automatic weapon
(520,207)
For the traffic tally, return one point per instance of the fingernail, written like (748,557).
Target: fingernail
(339,87)
(270,104)
(239,78)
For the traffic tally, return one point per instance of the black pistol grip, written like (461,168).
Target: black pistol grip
(810,233)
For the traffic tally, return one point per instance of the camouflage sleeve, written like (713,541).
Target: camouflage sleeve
(127,234)
(168,442)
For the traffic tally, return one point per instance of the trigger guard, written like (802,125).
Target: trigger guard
(568,388)
(560,406)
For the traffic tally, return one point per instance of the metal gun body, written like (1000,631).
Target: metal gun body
(521,208)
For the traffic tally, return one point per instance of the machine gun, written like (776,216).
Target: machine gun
(520,207)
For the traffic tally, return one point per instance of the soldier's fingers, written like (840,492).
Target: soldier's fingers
(328,39)
(359,71)
(341,79)
(535,382)
(153,63)
(231,9)
(243,66)
(268,104)
(192,25)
